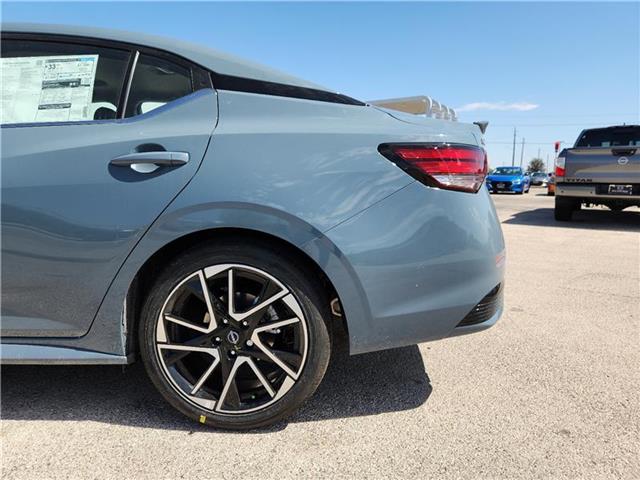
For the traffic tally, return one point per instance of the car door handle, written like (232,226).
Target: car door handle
(159,159)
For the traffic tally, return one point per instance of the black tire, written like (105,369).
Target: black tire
(298,281)
(520,192)
(617,208)
(564,208)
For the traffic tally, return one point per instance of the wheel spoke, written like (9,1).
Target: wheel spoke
(205,376)
(199,341)
(229,392)
(260,306)
(230,293)
(274,325)
(185,323)
(186,350)
(276,360)
(207,298)
(292,359)
(265,383)
(257,341)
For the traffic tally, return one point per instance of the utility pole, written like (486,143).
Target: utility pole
(522,152)
(513,154)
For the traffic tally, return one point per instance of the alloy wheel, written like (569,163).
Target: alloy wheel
(231,339)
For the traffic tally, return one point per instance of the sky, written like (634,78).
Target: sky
(548,69)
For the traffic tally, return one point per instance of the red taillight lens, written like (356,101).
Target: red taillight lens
(560,170)
(448,166)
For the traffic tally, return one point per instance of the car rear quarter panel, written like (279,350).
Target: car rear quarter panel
(293,169)
(423,259)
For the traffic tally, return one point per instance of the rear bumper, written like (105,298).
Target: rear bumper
(422,260)
(590,191)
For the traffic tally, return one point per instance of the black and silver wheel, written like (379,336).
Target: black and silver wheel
(235,336)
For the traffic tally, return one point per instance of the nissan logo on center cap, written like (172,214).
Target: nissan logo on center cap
(233,337)
(623,161)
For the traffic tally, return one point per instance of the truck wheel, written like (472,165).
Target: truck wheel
(564,208)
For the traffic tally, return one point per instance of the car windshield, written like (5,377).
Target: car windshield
(507,171)
(540,174)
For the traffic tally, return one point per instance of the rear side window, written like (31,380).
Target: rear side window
(59,82)
(156,82)
(610,137)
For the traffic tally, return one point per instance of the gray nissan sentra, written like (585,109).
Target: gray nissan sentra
(214,218)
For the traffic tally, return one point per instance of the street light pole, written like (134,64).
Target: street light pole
(522,152)
(513,153)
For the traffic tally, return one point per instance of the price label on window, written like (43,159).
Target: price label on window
(47,89)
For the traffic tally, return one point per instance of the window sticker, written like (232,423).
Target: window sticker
(47,89)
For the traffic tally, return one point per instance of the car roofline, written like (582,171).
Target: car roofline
(216,61)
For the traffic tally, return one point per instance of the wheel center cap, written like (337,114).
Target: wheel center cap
(233,337)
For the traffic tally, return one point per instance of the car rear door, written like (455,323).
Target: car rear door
(97,139)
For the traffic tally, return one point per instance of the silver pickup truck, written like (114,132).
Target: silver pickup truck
(603,168)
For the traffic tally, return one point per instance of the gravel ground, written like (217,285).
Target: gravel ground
(550,391)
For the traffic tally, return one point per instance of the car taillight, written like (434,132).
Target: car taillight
(560,167)
(442,165)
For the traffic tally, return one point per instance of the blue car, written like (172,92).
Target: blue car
(508,179)
(217,220)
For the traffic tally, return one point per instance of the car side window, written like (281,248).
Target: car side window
(156,82)
(50,81)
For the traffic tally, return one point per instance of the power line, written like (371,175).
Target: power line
(550,142)
(583,124)
(576,115)
(513,155)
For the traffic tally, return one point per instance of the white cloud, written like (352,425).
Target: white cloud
(503,106)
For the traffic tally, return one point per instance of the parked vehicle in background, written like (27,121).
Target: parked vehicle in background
(508,179)
(539,178)
(215,218)
(603,168)
(551,185)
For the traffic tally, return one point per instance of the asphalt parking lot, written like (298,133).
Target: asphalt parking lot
(550,391)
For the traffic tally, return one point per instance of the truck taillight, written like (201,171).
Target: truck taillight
(559,167)
(442,165)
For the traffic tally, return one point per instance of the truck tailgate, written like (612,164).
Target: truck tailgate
(603,165)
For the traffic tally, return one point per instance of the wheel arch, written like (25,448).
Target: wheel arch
(143,279)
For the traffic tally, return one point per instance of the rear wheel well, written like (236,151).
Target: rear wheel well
(145,277)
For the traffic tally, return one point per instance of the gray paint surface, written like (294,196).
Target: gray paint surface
(407,261)
(69,218)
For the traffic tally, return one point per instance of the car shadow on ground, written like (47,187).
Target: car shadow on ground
(368,384)
(593,218)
